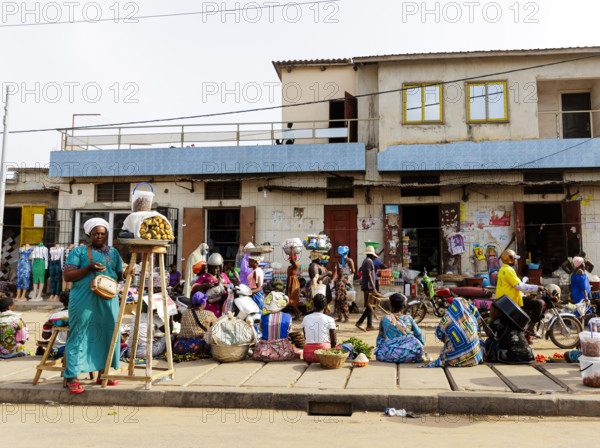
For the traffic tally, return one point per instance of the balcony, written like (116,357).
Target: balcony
(212,149)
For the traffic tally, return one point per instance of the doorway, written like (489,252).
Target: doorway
(544,235)
(336,112)
(421,224)
(576,125)
(223,232)
(340,227)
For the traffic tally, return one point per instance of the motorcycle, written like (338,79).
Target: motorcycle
(246,309)
(561,327)
(429,297)
(481,296)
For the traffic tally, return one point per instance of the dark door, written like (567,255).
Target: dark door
(193,232)
(351,113)
(572,220)
(449,224)
(340,227)
(519,235)
(576,125)
(392,234)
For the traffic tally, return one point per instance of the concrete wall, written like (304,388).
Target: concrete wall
(306,84)
(549,94)
(275,219)
(522,98)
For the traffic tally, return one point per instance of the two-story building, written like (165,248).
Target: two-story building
(499,147)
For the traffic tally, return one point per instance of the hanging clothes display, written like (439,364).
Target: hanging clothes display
(24,268)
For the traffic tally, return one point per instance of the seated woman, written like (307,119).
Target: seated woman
(59,318)
(13,331)
(400,338)
(459,332)
(213,284)
(195,322)
(319,329)
(274,344)
(159,344)
(506,342)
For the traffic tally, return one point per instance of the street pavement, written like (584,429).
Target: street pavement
(541,389)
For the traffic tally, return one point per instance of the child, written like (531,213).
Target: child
(59,319)
(319,329)
(13,331)
(255,280)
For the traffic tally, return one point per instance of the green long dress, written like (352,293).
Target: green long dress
(92,319)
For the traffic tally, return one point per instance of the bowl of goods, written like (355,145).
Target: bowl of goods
(331,358)
(361,360)
(156,228)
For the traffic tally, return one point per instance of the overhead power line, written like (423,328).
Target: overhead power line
(133,19)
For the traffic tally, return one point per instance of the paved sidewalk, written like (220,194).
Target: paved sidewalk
(549,389)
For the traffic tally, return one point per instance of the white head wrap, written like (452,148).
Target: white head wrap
(89,225)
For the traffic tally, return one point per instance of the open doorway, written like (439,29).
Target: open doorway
(223,232)
(336,112)
(544,235)
(421,223)
(576,125)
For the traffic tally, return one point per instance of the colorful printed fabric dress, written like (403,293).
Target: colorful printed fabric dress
(13,335)
(400,340)
(24,269)
(459,332)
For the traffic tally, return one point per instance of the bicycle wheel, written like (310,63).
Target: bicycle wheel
(417,311)
(567,337)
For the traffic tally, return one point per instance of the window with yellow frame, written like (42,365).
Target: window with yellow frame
(422,103)
(487,101)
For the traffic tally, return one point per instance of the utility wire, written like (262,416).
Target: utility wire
(157,16)
(261,109)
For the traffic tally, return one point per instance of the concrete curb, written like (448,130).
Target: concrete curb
(429,402)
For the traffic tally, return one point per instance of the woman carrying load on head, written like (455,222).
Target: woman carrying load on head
(92,319)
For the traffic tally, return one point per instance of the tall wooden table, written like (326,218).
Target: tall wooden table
(147,251)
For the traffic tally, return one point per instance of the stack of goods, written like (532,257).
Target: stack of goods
(397,278)
(297,338)
(292,242)
(385,277)
(405,252)
(319,242)
(589,361)
(149,226)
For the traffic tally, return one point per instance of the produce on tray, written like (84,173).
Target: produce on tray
(156,229)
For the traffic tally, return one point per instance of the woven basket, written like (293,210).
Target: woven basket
(331,361)
(229,353)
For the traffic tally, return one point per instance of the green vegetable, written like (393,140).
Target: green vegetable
(332,351)
(360,347)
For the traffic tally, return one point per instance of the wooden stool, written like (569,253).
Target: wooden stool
(374,302)
(52,365)
(147,251)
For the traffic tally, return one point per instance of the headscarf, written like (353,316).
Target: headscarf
(275,302)
(199,299)
(343,251)
(578,261)
(92,223)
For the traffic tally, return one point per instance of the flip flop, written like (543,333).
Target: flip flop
(75,388)
(360,328)
(109,383)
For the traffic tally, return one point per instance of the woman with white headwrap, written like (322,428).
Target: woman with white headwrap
(92,319)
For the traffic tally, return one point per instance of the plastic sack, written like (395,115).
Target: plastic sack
(134,221)
(229,330)
(246,306)
(292,242)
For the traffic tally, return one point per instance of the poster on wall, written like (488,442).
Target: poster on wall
(482,218)
(392,214)
(500,218)
(467,226)
(367,223)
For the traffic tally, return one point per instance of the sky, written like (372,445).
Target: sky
(126,67)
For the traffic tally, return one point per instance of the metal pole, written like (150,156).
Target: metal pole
(2,173)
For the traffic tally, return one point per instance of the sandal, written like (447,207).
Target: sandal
(109,383)
(360,328)
(75,388)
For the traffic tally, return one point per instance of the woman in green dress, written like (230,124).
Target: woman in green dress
(92,319)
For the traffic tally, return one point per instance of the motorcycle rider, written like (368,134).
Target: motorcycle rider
(510,285)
